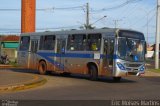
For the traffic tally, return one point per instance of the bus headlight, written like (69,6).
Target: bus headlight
(121,66)
(142,68)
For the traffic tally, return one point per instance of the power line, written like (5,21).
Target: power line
(118,6)
(124,11)
(6,29)
(142,18)
(150,19)
(131,11)
(10,9)
(116,22)
(44,9)
(75,7)
(65,8)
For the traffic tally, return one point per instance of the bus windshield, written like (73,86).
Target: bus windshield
(131,48)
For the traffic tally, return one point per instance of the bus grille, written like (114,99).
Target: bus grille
(133,65)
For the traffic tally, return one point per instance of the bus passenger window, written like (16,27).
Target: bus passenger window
(94,42)
(70,44)
(47,42)
(76,42)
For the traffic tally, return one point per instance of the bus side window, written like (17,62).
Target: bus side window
(80,42)
(41,43)
(47,42)
(94,42)
(34,45)
(76,42)
(70,43)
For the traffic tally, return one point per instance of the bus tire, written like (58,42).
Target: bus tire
(117,79)
(93,73)
(42,67)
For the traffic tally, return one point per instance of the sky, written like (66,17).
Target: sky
(55,16)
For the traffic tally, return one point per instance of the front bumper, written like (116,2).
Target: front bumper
(129,68)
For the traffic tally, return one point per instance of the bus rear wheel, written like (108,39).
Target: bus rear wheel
(42,67)
(93,73)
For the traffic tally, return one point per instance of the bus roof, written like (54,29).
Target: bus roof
(109,30)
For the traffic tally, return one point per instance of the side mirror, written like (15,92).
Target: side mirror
(145,48)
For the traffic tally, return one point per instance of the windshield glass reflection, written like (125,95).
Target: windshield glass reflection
(131,49)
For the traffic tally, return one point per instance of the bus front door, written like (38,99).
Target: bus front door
(108,53)
(60,54)
(33,56)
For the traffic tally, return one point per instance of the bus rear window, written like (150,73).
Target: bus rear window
(24,43)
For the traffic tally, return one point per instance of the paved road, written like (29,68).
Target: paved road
(79,88)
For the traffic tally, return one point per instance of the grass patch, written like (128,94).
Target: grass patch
(155,70)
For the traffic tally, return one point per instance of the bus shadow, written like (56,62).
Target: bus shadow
(110,80)
(76,76)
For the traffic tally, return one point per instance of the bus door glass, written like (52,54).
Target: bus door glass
(61,51)
(108,53)
(33,56)
(23,53)
(111,52)
(105,53)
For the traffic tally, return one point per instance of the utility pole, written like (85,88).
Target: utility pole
(87,16)
(157,36)
(116,23)
(28,14)
(147,31)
